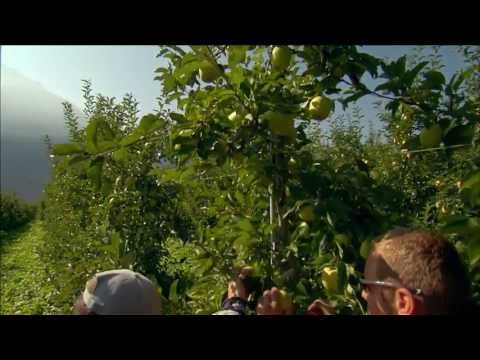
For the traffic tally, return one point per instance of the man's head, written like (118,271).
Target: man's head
(421,273)
(119,292)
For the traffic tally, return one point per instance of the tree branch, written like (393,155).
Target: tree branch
(372,92)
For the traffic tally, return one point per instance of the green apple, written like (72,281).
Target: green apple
(292,164)
(281,58)
(431,137)
(281,124)
(364,249)
(284,300)
(330,279)
(209,71)
(320,107)
(342,239)
(177,147)
(307,213)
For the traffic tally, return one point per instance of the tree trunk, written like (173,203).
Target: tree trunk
(277,206)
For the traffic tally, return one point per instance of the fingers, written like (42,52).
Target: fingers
(232,289)
(276,303)
(318,307)
(273,302)
(264,304)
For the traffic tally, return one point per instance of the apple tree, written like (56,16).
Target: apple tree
(235,122)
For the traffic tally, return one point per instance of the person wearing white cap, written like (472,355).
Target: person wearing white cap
(119,292)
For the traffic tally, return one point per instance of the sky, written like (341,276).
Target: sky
(117,70)
(114,70)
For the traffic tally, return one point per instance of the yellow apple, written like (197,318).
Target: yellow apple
(280,58)
(209,71)
(320,107)
(431,137)
(307,213)
(330,279)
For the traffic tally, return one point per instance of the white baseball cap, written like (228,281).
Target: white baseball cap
(122,292)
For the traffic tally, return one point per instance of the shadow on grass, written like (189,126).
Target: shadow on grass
(7,237)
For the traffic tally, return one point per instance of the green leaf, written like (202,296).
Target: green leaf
(239,197)
(245,88)
(460,135)
(342,239)
(362,166)
(162,52)
(258,56)
(242,244)
(397,68)
(178,49)
(357,95)
(127,260)
(222,94)
(131,138)
(205,265)
(457,80)
(459,224)
(236,75)
(106,145)
(410,75)
(107,186)
(434,80)
(342,278)
(78,161)
(66,149)
(115,243)
(365,249)
(106,131)
(236,54)
(246,225)
(120,155)
(98,131)
(184,74)
(370,62)
(179,118)
(94,172)
(91,135)
(329,220)
(473,180)
(149,123)
(169,83)
(172,293)
(473,251)
(388,86)
(301,289)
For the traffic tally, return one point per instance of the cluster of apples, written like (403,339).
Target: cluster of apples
(281,124)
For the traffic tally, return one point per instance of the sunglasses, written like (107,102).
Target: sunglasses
(366,283)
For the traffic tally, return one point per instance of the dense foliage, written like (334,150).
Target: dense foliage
(234,169)
(14,212)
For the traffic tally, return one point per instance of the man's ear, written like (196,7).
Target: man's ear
(404,302)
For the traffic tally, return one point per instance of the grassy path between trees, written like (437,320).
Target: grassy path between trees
(24,284)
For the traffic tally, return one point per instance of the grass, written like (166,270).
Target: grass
(25,287)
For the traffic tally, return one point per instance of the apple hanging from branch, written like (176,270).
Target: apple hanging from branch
(320,107)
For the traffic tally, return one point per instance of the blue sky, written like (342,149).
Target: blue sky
(116,70)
